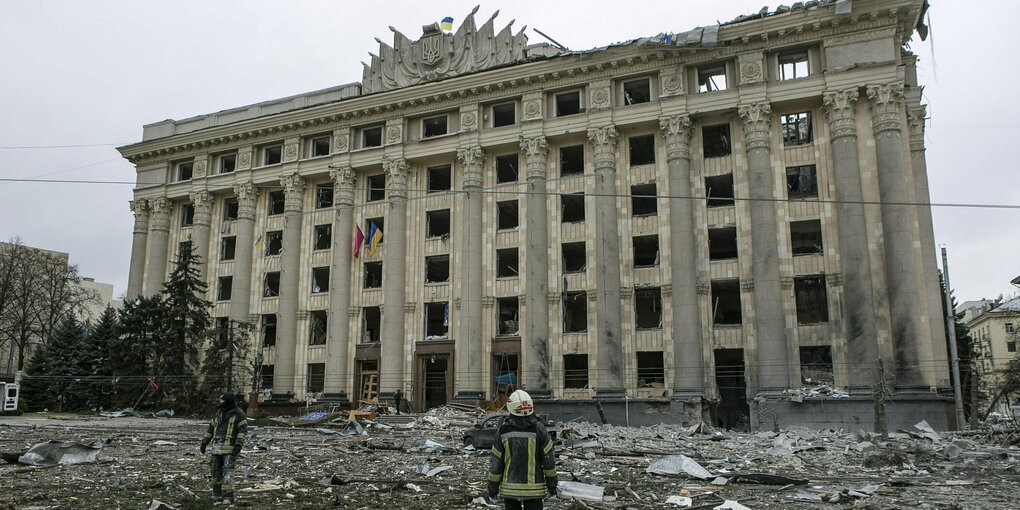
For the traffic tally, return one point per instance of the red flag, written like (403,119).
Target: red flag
(359,238)
(152,384)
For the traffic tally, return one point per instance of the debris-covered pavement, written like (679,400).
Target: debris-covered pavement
(421,462)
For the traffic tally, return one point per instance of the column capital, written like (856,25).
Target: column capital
(246,196)
(203,201)
(343,177)
(757,119)
(294,189)
(397,171)
(535,150)
(603,143)
(676,129)
(886,100)
(140,208)
(161,208)
(839,109)
(916,116)
(471,162)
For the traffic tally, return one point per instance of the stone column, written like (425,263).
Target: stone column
(159,237)
(290,274)
(773,375)
(469,345)
(535,347)
(338,343)
(391,363)
(140,235)
(202,201)
(688,378)
(608,328)
(858,291)
(901,271)
(244,228)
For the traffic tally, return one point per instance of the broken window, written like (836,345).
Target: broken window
(712,78)
(801,181)
(575,312)
(437,223)
(272,155)
(268,329)
(568,103)
(722,243)
(317,327)
(507,215)
(318,147)
(715,140)
(227,247)
(726,302)
(816,365)
(434,126)
(648,308)
(277,200)
(642,150)
(806,237)
(812,302)
(796,128)
(575,370)
(230,209)
(221,327)
(223,286)
(651,368)
(437,320)
(323,236)
(371,322)
(643,201)
(371,137)
(719,190)
(439,178)
(187,215)
(378,222)
(646,251)
(793,65)
(324,195)
(637,91)
(376,187)
(572,207)
(373,275)
(274,242)
(504,115)
(507,318)
(183,171)
(272,284)
(506,168)
(572,160)
(573,258)
(437,269)
(506,263)
(267,376)
(316,377)
(320,279)
(227,163)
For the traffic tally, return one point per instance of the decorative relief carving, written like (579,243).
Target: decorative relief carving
(747,285)
(343,185)
(471,162)
(393,134)
(603,143)
(535,150)
(290,151)
(468,121)
(244,158)
(293,189)
(839,108)
(396,177)
(599,97)
(200,167)
(757,119)
(750,72)
(341,143)
(533,109)
(140,208)
(885,106)
(203,201)
(671,80)
(915,125)
(161,208)
(676,129)
(247,194)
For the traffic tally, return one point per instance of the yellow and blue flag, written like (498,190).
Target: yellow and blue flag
(447,24)
(258,242)
(374,238)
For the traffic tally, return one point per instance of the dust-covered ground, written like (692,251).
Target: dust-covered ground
(311,468)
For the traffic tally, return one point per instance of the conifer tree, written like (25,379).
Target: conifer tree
(132,352)
(97,358)
(186,327)
(35,386)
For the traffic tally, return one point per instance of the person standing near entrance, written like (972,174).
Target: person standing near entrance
(522,464)
(226,432)
(397,397)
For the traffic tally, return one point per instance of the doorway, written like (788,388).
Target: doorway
(435,380)
(368,382)
(732,410)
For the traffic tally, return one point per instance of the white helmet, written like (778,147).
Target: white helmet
(520,404)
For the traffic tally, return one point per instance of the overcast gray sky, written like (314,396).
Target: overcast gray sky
(76,73)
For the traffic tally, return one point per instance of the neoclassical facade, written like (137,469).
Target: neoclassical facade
(684,226)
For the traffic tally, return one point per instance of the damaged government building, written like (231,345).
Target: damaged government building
(680,227)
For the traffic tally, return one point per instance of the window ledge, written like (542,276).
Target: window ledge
(727,326)
(365,149)
(312,158)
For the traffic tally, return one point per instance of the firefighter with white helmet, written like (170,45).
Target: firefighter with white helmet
(522,464)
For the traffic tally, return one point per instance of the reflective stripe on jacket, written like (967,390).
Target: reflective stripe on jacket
(226,430)
(523,461)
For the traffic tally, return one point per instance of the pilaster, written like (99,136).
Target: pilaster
(535,344)
(470,349)
(392,349)
(290,276)
(338,379)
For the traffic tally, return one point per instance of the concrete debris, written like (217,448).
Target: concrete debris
(577,490)
(781,447)
(164,443)
(64,453)
(675,464)
(434,447)
(681,501)
(803,495)
(159,505)
(730,505)
(129,412)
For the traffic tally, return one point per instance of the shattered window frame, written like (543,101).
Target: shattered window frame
(716,141)
(437,328)
(575,371)
(719,190)
(228,247)
(271,285)
(437,269)
(274,243)
(226,163)
(572,208)
(371,136)
(801,182)
(712,78)
(571,160)
(320,279)
(796,129)
(719,245)
(573,250)
(567,103)
(373,272)
(575,311)
(324,195)
(440,178)
(507,166)
(647,309)
(806,237)
(371,316)
(637,91)
(187,215)
(811,298)
(503,215)
(434,126)
(504,114)
(816,361)
(644,200)
(318,146)
(508,316)
(507,263)
(375,187)
(793,65)
(277,202)
(643,246)
(731,312)
(651,368)
(323,237)
(438,223)
(316,377)
(224,286)
(267,326)
(641,149)
(318,326)
(230,209)
(184,170)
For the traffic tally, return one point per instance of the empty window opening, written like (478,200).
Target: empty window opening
(796,128)
(274,242)
(439,178)
(324,196)
(816,365)
(371,322)
(230,209)
(437,223)
(646,251)
(187,215)
(722,243)
(575,370)
(437,320)
(793,65)
(317,327)
(732,410)
(320,279)
(712,79)
(376,187)
(715,140)
(801,181)
(437,269)
(272,284)
(651,368)
(812,302)
(573,258)
(643,201)
(642,150)
(504,115)
(806,237)
(506,168)
(719,190)
(371,137)
(637,91)
(227,247)
(434,126)
(506,263)
(572,160)
(228,162)
(268,327)
(373,275)
(648,308)
(318,147)
(507,316)
(507,215)
(184,171)
(726,302)
(572,207)
(323,236)
(272,155)
(575,312)
(568,103)
(277,199)
(267,376)
(316,377)
(223,286)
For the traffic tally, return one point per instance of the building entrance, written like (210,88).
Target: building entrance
(732,410)
(435,377)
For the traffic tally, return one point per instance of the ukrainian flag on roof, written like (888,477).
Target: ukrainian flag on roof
(447,24)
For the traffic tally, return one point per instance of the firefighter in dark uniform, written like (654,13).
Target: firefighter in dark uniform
(522,465)
(226,432)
